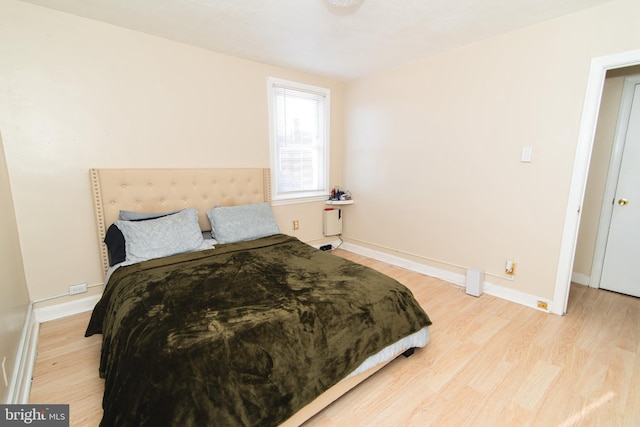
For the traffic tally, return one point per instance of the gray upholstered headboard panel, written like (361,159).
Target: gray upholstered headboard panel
(164,190)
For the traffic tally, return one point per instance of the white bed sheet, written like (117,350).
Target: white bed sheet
(416,340)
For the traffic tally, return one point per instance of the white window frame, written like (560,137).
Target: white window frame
(278,196)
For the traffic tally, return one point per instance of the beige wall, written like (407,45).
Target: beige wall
(433,147)
(432,150)
(14,302)
(598,168)
(78,94)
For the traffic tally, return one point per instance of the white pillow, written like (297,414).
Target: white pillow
(244,222)
(164,236)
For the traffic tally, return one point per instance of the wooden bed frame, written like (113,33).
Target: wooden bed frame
(165,190)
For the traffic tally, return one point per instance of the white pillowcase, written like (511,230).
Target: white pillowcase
(244,222)
(160,237)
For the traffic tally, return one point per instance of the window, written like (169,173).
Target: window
(299,126)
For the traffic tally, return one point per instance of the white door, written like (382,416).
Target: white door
(621,267)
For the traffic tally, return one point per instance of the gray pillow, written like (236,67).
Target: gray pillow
(138,216)
(164,236)
(244,222)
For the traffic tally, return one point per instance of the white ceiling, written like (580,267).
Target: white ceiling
(314,36)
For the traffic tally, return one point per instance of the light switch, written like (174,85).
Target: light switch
(527,154)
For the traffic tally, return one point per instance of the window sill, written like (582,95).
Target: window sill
(298,200)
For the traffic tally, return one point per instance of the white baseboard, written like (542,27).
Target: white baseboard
(498,291)
(398,261)
(20,385)
(52,312)
(518,297)
(580,279)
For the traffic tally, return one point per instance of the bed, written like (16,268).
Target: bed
(252,328)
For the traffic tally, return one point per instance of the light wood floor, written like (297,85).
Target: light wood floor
(489,362)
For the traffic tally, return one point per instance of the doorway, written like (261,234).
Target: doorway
(616,246)
(599,67)
(602,179)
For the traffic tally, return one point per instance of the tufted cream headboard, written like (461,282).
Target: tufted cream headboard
(165,190)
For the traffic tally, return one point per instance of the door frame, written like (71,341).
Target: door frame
(591,108)
(617,152)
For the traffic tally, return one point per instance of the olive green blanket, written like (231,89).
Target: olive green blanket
(244,334)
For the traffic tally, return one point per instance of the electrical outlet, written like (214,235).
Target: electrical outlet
(296,224)
(543,305)
(326,247)
(510,267)
(77,289)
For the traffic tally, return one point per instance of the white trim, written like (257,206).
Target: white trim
(448,276)
(29,362)
(281,202)
(52,312)
(591,108)
(617,151)
(580,279)
(276,195)
(20,384)
(398,261)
